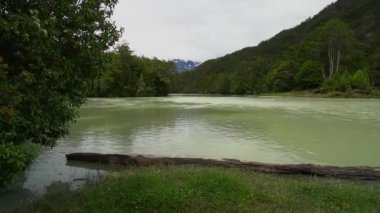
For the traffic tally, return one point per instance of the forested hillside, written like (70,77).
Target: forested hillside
(336,50)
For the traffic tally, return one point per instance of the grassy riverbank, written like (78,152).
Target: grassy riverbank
(184,189)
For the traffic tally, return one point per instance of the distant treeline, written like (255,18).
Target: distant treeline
(127,75)
(338,50)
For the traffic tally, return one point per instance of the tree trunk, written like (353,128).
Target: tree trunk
(338,57)
(356,173)
(375,67)
(372,74)
(331,57)
(323,73)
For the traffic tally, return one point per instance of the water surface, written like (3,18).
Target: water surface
(343,132)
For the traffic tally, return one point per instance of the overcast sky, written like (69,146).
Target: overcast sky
(205,29)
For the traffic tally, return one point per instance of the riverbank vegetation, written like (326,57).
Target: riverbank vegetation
(189,189)
(52,56)
(13,159)
(127,75)
(336,51)
(50,51)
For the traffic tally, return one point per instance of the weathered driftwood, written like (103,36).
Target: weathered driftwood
(357,173)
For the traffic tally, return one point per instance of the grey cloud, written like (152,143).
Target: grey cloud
(204,29)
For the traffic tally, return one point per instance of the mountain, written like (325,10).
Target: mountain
(185,66)
(279,63)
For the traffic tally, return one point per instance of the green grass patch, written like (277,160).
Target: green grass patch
(199,189)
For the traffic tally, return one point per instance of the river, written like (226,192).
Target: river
(343,132)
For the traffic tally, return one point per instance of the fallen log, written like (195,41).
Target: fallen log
(355,173)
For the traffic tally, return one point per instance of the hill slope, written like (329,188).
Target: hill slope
(254,69)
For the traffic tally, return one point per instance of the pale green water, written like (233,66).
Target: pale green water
(344,132)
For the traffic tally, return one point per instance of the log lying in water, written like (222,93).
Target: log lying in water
(356,173)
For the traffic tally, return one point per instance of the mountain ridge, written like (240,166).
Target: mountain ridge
(185,65)
(361,16)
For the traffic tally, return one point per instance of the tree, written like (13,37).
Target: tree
(309,75)
(127,75)
(122,74)
(220,84)
(283,76)
(334,38)
(239,84)
(53,50)
(163,72)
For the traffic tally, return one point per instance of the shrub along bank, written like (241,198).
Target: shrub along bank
(14,159)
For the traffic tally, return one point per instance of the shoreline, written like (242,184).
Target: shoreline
(296,94)
(198,188)
(351,173)
(313,94)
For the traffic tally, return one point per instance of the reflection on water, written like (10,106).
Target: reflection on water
(343,132)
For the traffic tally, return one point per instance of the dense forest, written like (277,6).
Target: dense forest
(336,50)
(127,75)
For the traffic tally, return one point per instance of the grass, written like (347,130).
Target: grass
(199,189)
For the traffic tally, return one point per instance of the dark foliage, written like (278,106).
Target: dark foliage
(49,53)
(342,38)
(130,76)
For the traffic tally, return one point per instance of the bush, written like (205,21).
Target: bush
(341,83)
(345,82)
(361,81)
(14,159)
(330,85)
